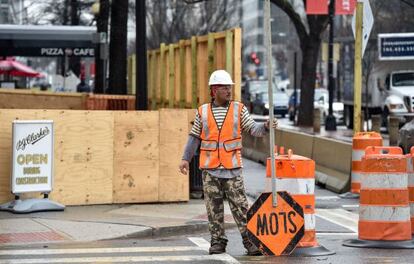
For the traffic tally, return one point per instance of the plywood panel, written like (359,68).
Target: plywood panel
(191,113)
(173,185)
(177,79)
(136,157)
(188,79)
(41,100)
(220,54)
(84,157)
(83,145)
(202,73)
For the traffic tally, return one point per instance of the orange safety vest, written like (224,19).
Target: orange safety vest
(220,147)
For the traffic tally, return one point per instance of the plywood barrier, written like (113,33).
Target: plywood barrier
(104,157)
(173,186)
(26,99)
(136,157)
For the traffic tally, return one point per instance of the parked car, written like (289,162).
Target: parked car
(280,103)
(321,101)
(251,88)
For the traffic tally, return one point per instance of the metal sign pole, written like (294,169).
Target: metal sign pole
(268,34)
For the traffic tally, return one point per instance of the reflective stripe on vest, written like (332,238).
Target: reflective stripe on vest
(220,147)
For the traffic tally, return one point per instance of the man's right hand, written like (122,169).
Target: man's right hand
(184,167)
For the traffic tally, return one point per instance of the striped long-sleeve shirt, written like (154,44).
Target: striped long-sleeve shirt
(219,112)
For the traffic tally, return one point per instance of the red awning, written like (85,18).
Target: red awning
(15,68)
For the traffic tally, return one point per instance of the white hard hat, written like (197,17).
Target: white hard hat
(220,77)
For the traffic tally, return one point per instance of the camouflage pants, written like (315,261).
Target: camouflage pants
(215,190)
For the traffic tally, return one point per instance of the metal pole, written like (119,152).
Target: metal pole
(358,67)
(295,90)
(330,122)
(141,53)
(268,35)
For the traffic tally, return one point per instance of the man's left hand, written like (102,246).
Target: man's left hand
(274,126)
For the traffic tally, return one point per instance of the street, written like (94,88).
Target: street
(336,221)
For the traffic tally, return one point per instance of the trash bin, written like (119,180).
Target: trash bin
(196,180)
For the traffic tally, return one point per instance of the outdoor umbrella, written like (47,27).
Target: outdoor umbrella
(15,68)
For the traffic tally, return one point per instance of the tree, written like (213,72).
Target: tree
(102,27)
(165,22)
(309,29)
(118,47)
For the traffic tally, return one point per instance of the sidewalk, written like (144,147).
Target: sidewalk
(99,222)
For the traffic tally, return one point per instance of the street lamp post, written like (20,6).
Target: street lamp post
(330,122)
(141,53)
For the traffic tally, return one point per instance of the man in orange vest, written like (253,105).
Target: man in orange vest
(217,132)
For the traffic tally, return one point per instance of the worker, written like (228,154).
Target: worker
(217,132)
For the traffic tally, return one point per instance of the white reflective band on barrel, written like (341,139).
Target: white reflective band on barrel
(409,164)
(310,222)
(384,213)
(204,115)
(208,145)
(357,155)
(412,209)
(410,179)
(356,177)
(384,180)
(296,185)
(235,119)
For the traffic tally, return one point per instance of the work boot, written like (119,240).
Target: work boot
(217,248)
(252,250)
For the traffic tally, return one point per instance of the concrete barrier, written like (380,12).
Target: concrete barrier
(332,157)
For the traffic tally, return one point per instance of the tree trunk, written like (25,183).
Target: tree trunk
(74,62)
(118,48)
(101,26)
(310,51)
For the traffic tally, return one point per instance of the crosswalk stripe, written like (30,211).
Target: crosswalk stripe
(200,242)
(340,217)
(204,244)
(221,257)
(201,245)
(20,252)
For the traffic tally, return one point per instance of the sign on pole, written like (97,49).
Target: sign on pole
(367,23)
(275,230)
(396,46)
(32,165)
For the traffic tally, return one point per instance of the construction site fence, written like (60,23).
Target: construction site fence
(178,72)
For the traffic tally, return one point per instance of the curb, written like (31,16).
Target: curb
(188,229)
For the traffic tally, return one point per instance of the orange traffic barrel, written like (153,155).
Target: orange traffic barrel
(360,142)
(384,211)
(296,175)
(410,172)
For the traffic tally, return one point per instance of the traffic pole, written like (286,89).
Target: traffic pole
(268,34)
(358,67)
(330,122)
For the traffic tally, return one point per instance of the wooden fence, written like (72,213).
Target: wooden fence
(178,73)
(104,157)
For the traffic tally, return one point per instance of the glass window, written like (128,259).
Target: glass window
(403,79)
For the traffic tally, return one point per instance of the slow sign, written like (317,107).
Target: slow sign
(275,230)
